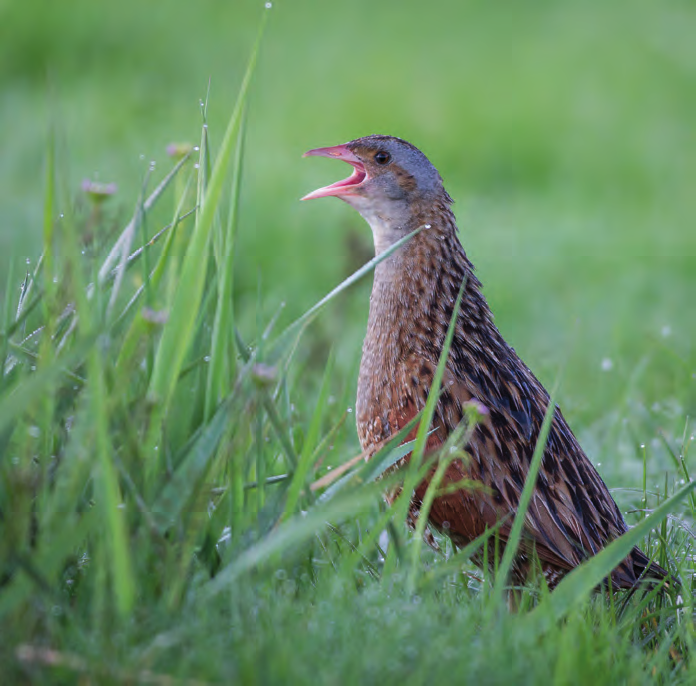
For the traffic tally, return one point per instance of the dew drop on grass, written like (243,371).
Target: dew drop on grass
(268,5)
(206,358)
(666,331)
(141,156)
(607,364)
(196,166)
(349,410)
(196,148)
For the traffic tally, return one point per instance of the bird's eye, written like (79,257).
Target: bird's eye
(382,157)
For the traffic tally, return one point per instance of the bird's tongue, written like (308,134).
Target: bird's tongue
(346,186)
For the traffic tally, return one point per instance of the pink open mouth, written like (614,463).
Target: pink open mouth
(346,186)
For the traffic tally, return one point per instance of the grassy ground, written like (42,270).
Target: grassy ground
(154,466)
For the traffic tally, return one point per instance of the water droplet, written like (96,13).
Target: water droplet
(28,261)
(607,364)
(82,252)
(206,358)
(666,331)
(153,164)
(121,506)
(61,215)
(205,127)
(599,464)
(642,446)
(55,279)
(34,431)
(196,148)
(141,156)
(427,226)
(15,460)
(349,410)
(268,5)
(196,166)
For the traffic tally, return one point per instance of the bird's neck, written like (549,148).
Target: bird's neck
(424,275)
(413,297)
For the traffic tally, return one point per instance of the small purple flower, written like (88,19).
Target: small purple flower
(179,150)
(98,192)
(476,408)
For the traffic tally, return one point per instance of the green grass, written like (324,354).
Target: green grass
(163,425)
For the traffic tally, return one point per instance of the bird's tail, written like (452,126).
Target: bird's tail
(646,571)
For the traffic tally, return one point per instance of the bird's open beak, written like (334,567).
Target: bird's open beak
(346,186)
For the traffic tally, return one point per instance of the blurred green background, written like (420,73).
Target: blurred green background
(564,131)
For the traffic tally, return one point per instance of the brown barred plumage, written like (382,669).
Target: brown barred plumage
(572,514)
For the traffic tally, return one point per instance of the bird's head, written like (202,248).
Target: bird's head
(391,184)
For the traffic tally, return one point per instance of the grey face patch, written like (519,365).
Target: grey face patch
(404,157)
(395,193)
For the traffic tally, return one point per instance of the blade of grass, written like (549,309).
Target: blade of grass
(180,327)
(126,234)
(292,533)
(576,587)
(305,459)
(182,489)
(222,347)
(298,326)
(423,429)
(515,536)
